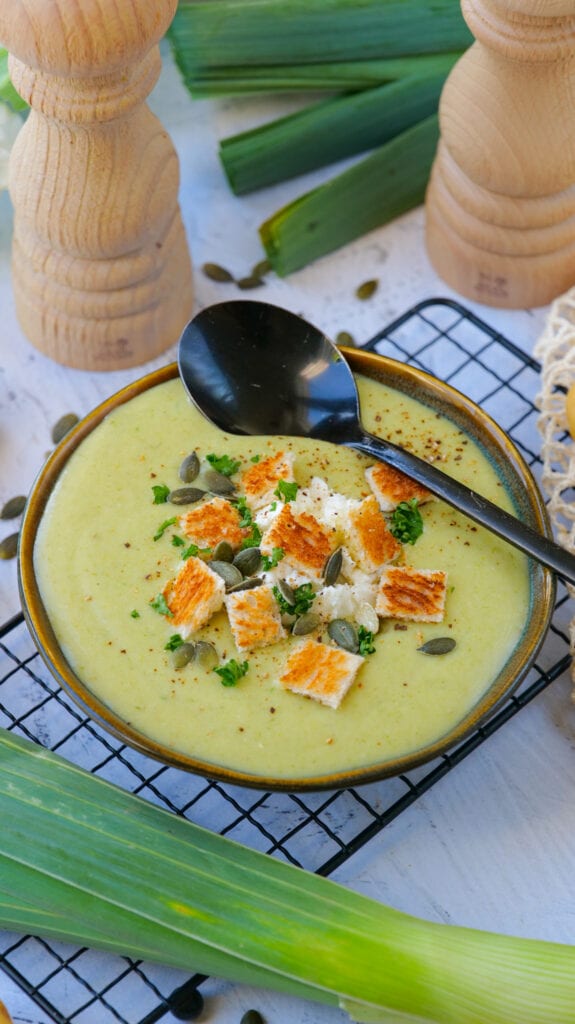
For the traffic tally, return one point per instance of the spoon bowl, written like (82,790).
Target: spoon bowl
(255,368)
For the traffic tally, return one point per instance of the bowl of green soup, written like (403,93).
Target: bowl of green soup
(108,547)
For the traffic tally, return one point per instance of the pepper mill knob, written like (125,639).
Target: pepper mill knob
(500,205)
(100,266)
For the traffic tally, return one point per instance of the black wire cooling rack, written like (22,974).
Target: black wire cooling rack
(316,831)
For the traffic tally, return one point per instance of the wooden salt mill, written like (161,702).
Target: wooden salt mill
(500,206)
(101,269)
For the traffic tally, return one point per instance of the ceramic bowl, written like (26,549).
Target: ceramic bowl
(513,473)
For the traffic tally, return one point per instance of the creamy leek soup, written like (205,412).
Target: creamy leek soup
(100,571)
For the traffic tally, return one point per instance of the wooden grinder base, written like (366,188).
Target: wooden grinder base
(500,206)
(101,269)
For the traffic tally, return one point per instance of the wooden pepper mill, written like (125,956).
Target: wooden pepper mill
(500,206)
(101,269)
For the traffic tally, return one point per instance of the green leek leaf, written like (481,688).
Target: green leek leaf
(328,131)
(212,33)
(318,77)
(85,862)
(390,181)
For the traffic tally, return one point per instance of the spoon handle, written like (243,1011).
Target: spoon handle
(482,511)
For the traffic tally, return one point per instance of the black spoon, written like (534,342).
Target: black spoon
(254,368)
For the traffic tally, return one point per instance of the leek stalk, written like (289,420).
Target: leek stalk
(320,77)
(387,183)
(215,33)
(328,131)
(83,861)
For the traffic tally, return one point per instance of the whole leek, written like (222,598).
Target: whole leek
(82,861)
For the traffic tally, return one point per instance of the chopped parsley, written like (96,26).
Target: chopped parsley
(304,596)
(254,537)
(246,519)
(255,458)
(161,492)
(270,561)
(164,526)
(406,522)
(192,550)
(245,512)
(159,604)
(135,613)
(178,542)
(366,644)
(174,642)
(286,490)
(232,671)
(224,464)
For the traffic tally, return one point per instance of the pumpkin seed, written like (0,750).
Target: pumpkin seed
(368,617)
(344,634)
(217,273)
(205,655)
(190,468)
(229,573)
(182,655)
(13,507)
(332,567)
(63,426)
(251,281)
(247,584)
(286,592)
(345,338)
(252,1017)
(217,483)
(248,561)
(306,624)
(261,269)
(367,289)
(185,495)
(9,546)
(438,645)
(223,552)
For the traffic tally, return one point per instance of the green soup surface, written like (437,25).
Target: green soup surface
(98,569)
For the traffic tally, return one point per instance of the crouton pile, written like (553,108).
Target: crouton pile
(325,569)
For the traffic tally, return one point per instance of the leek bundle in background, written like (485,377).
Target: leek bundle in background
(84,862)
(386,60)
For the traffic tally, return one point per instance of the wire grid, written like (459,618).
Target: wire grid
(315,831)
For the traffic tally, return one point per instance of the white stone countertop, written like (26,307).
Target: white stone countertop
(492,844)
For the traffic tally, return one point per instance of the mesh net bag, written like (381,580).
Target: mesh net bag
(555,350)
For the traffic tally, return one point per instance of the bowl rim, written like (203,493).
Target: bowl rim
(431,392)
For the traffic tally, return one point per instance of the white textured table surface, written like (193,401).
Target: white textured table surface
(491,845)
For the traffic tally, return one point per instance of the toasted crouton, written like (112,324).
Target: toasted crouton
(305,542)
(390,486)
(368,538)
(211,521)
(260,480)
(414,594)
(255,618)
(194,595)
(319,671)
